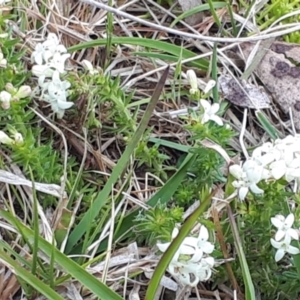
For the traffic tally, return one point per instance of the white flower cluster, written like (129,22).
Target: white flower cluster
(50,57)
(284,235)
(192,262)
(271,161)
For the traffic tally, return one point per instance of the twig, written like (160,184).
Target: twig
(189,35)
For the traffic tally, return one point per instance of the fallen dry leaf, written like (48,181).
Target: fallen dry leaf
(249,96)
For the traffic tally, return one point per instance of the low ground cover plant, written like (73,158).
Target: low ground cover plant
(132,176)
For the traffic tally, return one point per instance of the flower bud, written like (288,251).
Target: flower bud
(5,99)
(209,86)
(10,88)
(18,138)
(89,67)
(192,78)
(5,139)
(3,61)
(23,92)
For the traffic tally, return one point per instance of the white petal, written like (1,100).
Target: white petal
(278,169)
(197,256)
(288,155)
(38,58)
(207,247)
(163,246)
(64,105)
(205,118)
(243,191)
(61,49)
(288,177)
(266,174)
(266,159)
(277,221)
(275,244)
(279,254)
(41,70)
(279,235)
(293,233)
(210,261)
(203,233)
(294,172)
(236,171)
(175,232)
(255,189)
(292,250)
(289,221)
(214,108)
(209,86)
(190,241)
(257,152)
(187,250)
(205,104)
(217,120)
(254,175)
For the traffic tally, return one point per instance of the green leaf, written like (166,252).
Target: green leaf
(249,287)
(77,272)
(197,9)
(268,127)
(175,50)
(29,278)
(175,146)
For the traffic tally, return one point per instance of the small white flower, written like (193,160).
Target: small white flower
(57,89)
(5,139)
(210,112)
(191,264)
(40,55)
(283,247)
(190,274)
(284,226)
(43,52)
(247,178)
